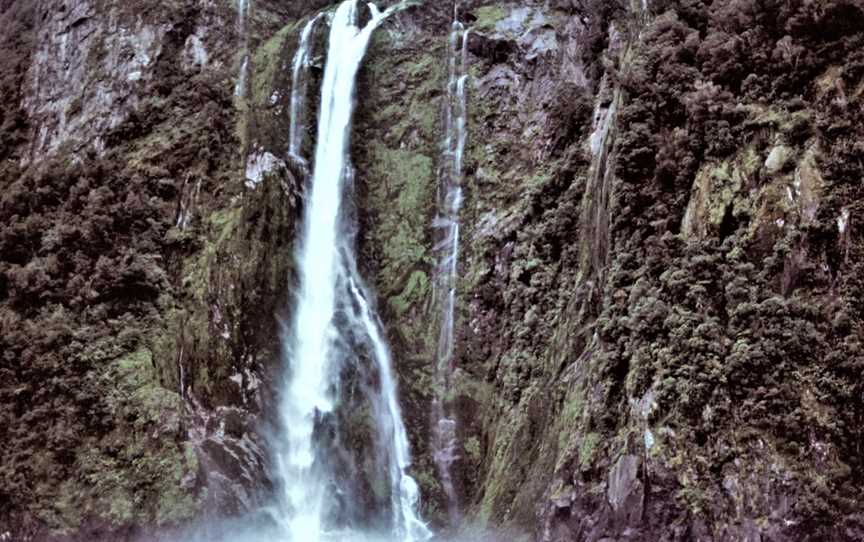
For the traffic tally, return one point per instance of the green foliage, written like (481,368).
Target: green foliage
(744,336)
(86,267)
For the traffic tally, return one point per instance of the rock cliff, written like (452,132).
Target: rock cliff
(659,310)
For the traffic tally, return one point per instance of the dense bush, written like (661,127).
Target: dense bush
(741,335)
(85,265)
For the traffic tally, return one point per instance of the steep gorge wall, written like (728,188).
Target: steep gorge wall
(659,328)
(130,245)
(659,320)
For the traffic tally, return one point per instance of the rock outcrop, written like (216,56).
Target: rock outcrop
(659,315)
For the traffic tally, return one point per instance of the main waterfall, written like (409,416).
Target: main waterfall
(335,323)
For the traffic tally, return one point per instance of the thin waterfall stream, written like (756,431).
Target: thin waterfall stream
(242,14)
(300,89)
(445,442)
(335,323)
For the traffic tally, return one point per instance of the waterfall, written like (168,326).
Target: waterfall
(333,307)
(242,13)
(240,86)
(444,438)
(300,88)
(188,201)
(406,494)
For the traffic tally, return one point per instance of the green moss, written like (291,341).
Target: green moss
(588,448)
(223,225)
(405,174)
(225,222)
(568,424)
(138,389)
(520,462)
(427,479)
(398,161)
(266,61)
(415,290)
(771,120)
(175,503)
(405,186)
(66,511)
(488,17)
(717,187)
(472,448)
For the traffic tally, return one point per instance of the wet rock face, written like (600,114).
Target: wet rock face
(95,63)
(123,195)
(82,70)
(658,326)
(624,490)
(630,199)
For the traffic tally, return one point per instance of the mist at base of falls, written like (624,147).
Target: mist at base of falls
(260,528)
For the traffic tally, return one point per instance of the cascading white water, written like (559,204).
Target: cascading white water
(445,442)
(315,346)
(300,88)
(405,492)
(242,13)
(240,86)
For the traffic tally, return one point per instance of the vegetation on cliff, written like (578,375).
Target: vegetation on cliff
(659,326)
(85,281)
(749,336)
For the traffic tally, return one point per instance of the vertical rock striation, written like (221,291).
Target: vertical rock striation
(658,333)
